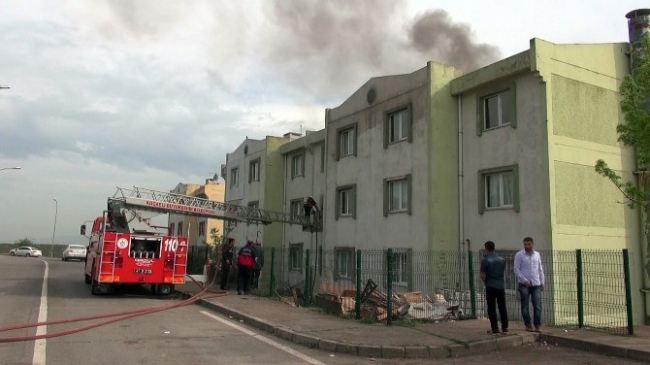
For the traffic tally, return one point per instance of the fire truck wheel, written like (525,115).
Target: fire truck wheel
(164,289)
(87,279)
(94,285)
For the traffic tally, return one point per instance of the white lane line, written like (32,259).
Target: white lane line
(40,345)
(286,349)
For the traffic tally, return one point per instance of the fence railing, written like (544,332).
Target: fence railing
(584,288)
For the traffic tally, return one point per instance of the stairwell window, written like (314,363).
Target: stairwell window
(397,127)
(346,201)
(254,172)
(347,141)
(497,108)
(234,177)
(344,263)
(499,188)
(298,165)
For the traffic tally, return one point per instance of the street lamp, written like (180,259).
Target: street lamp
(10,168)
(56,212)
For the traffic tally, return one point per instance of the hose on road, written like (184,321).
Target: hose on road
(120,316)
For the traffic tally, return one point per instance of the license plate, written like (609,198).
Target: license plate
(143,271)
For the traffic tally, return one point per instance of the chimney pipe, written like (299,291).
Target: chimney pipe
(638,26)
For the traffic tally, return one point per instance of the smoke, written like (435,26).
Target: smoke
(434,34)
(326,48)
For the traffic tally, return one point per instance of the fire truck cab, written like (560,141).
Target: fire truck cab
(124,248)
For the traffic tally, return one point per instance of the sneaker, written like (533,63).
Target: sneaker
(505,330)
(493,332)
(529,328)
(538,329)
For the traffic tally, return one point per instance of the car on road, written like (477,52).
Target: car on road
(74,252)
(25,251)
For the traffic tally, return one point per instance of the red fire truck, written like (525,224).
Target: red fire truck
(124,248)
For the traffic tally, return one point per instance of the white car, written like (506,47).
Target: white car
(25,251)
(74,252)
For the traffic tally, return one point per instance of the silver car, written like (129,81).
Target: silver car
(74,252)
(25,251)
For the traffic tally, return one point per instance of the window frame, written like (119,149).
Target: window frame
(254,175)
(408,179)
(339,133)
(172,229)
(294,169)
(482,186)
(234,177)
(388,124)
(295,207)
(201,229)
(495,91)
(179,232)
(297,249)
(350,266)
(352,189)
(404,272)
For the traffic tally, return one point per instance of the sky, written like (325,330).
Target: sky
(154,93)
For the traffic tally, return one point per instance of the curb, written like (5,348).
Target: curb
(596,347)
(420,352)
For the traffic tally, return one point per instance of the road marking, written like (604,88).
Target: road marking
(286,349)
(40,345)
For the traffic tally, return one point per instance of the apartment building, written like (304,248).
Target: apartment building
(197,229)
(215,191)
(254,174)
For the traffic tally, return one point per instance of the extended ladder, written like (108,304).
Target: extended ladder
(163,202)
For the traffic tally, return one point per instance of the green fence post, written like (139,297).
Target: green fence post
(272,281)
(628,291)
(389,287)
(357,299)
(472,284)
(307,279)
(580,290)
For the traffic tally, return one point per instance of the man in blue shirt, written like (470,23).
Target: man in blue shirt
(493,267)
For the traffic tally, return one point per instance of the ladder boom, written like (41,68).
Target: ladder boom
(163,202)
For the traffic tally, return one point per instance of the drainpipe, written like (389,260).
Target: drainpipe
(461,231)
(284,249)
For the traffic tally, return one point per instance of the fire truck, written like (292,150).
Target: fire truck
(125,248)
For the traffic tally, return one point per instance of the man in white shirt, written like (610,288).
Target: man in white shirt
(530,275)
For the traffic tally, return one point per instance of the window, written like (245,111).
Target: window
(347,141)
(171,229)
(295,208)
(234,177)
(295,257)
(397,126)
(254,205)
(201,229)
(254,171)
(402,267)
(346,201)
(397,195)
(298,165)
(496,109)
(499,188)
(180,229)
(344,263)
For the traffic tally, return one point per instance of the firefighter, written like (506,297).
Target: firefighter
(227,253)
(245,265)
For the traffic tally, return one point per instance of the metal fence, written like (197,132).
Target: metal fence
(584,288)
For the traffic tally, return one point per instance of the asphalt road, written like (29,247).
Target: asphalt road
(187,335)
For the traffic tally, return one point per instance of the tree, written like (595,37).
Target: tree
(24,242)
(635,132)
(214,252)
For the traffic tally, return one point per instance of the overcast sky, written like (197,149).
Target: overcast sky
(152,93)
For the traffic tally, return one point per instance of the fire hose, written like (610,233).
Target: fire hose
(120,316)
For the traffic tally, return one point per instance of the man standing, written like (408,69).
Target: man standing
(227,253)
(245,264)
(530,275)
(493,267)
(259,263)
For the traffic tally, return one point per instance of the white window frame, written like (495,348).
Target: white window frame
(346,201)
(296,207)
(399,127)
(295,257)
(298,165)
(402,199)
(344,263)
(400,267)
(234,177)
(501,119)
(347,142)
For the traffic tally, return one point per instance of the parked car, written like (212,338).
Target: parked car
(25,251)
(74,252)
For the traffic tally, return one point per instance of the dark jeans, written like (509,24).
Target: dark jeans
(223,283)
(534,292)
(496,296)
(244,274)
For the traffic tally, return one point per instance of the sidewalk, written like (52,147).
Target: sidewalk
(309,327)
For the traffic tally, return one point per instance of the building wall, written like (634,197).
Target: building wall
(186,220)
(214,191)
